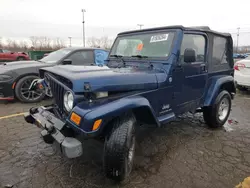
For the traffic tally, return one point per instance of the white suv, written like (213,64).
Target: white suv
(242,74)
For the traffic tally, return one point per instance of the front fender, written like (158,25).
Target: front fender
(113,109)
(215,84)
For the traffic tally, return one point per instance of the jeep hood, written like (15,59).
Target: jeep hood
(107,79)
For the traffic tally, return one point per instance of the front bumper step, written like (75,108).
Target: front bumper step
(51,131)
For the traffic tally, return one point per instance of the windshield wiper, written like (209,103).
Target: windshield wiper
(114,55)
(121,58)
(139,56)
(144,56)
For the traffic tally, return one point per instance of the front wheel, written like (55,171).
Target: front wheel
(119,148)
(216,115)
(24,94)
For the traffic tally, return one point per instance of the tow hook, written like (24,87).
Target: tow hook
(47,137)
(50,128)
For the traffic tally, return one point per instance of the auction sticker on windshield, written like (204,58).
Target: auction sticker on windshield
(139,47)
(158,38)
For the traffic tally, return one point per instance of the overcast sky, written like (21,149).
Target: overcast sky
(62,18)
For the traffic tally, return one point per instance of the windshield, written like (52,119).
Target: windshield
(55,56)
(6,51)
(144,45)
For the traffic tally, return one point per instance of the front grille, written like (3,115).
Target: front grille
(58,91)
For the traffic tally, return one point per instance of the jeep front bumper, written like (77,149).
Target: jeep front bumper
(52,127)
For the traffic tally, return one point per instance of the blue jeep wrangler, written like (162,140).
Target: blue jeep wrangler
(153,75)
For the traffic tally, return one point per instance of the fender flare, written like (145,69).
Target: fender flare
(109,111)
(216,83)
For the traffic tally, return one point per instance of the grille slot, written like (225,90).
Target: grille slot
(58,92)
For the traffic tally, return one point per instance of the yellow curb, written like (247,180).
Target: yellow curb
(12,115)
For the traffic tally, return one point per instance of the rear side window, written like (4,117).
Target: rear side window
(82,58)
(195,41)
(219,50)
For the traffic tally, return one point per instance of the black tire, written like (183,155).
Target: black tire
(18,90)
(118,146)
(211,114)
(20,59)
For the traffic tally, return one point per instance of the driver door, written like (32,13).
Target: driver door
(193,75)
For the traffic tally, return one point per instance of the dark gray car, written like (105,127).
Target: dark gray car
(16,77)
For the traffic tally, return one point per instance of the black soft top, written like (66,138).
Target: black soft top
(205,29)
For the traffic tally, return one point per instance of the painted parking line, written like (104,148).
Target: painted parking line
(244,184)
(12,115)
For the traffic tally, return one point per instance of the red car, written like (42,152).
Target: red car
(6,55)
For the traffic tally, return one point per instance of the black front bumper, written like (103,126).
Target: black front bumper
(52,130)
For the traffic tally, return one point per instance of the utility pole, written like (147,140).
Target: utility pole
(140,25)
(70,41)
(83,29)
(238,34)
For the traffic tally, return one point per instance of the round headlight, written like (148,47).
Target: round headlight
(68,101)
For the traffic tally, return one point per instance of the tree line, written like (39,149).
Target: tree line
(44,43)
(34,43)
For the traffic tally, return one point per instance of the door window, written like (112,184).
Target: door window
(197,42)
(82,58)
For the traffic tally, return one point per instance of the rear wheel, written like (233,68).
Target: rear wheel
(119,148)
(23,93)
(216,115)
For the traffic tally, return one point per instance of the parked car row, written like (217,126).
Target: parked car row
(240,56)
(16,77)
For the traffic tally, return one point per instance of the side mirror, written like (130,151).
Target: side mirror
(67,62)
(189,55)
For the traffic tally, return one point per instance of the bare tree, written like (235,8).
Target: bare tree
(94,42)
(23,45)
(12,45)
(103,42)
(58,43)
(34,41)
(106,42)
(44,43)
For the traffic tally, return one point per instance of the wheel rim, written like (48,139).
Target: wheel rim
(223,109)
(32,94)
(131,153)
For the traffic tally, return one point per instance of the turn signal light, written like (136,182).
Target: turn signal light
(96,124)
(75,118)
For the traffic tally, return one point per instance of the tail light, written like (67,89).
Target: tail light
(237,66)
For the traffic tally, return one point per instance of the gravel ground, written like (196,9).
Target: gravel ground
(184,153)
